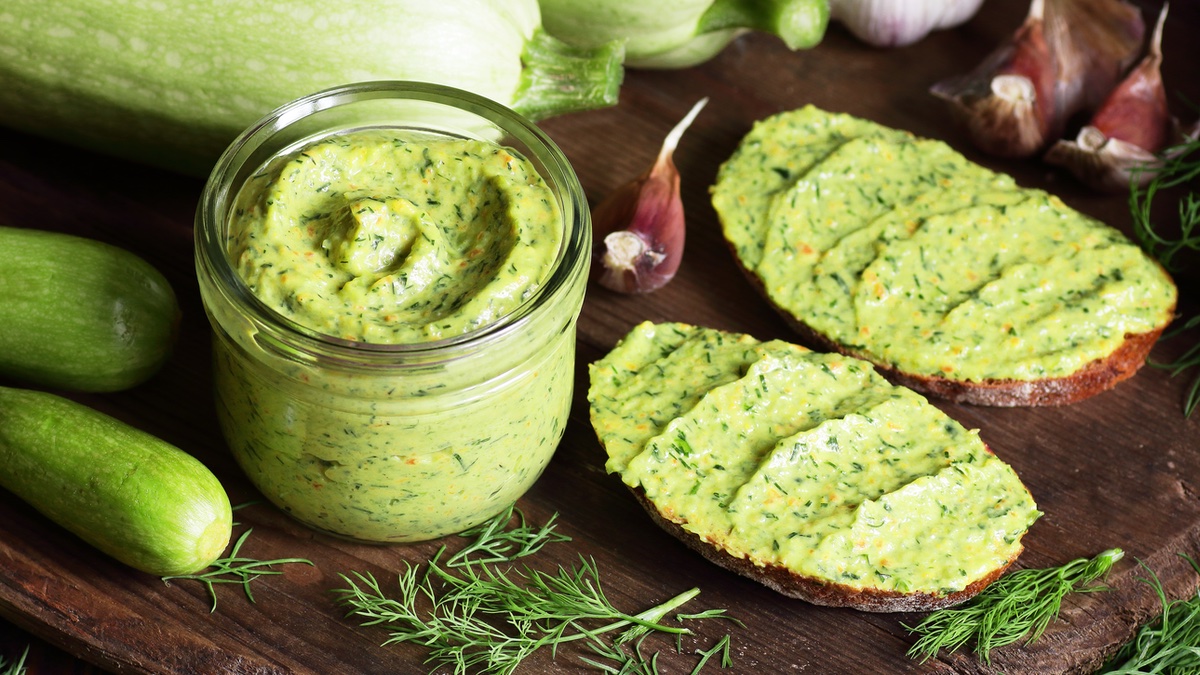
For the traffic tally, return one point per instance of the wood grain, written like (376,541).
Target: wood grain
(1117,470)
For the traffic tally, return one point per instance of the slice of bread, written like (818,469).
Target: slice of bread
(949,277)
(805,471)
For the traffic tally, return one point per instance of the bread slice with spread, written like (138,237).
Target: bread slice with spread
(949,277)
(806,471)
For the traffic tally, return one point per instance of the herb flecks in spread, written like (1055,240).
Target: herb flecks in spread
(379,237)
(901,250)
(386,238)
(804,460)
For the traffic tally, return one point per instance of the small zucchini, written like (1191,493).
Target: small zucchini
(135,497)
(79,314)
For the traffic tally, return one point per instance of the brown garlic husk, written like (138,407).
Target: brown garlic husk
(1004,103)
(639,228)
(1061,61)
(1126,135)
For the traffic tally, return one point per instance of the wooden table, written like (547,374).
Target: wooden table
(1117,470)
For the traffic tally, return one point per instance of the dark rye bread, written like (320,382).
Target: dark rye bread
(1094,378)
(805,471)
(817,591)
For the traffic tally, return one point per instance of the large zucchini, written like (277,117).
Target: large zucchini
(173,82)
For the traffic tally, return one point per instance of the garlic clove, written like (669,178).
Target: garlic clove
(1127,132)
(1094,42)
(1006,103)
(640,227)
(1102,163)
(1062,60)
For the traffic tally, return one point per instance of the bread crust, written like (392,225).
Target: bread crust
(817,591)
(1096,377)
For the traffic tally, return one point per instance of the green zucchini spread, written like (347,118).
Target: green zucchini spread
(903,251)
(384,238)
(804,460)
(377,237)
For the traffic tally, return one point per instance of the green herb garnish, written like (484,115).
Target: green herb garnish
(16,667)
(1170,645)
(234,569)
(493,619)
(494,542)
(476,616)
(1180,168)
(1189,360)
(635,662)
(1018,604)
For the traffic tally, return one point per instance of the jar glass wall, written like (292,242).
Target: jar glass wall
(391,442)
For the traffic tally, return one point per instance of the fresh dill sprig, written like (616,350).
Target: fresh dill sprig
(1170,645)
(1178,168)
(1190,359)
(1019,604)
(721,648)
(234,569)
(473,615)
(488,618)
(618,661)
(494,542)
(16,667)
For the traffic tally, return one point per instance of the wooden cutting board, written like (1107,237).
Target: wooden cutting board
(1120,470)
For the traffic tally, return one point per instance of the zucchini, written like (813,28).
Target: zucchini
(131,495)
(173,82)
(79,314)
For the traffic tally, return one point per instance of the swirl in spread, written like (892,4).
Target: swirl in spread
(378,237)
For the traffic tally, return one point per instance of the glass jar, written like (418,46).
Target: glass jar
(382,442)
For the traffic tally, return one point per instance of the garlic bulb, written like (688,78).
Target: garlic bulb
(897,23)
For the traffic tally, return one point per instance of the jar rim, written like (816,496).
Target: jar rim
(222,187)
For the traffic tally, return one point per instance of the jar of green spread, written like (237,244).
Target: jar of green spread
(393,273)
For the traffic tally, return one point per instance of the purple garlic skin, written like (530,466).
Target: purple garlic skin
(640,228)
(1127,133)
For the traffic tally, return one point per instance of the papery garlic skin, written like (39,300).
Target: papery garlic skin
(639,228)
(1062,60)
(899,23)
(1102,163)
(645,255)
(1007,102)
(1094,43)
(1126,133)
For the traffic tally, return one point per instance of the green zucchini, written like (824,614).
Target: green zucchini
(79,314)
(131,495)
(173,82)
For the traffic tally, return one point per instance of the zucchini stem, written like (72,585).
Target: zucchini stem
(560,78)
(800,24)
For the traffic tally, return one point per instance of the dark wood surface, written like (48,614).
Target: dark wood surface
(1118,470)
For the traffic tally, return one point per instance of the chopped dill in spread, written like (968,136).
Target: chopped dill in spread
(373,236)
(901,250)
(389,237)
(805,460)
